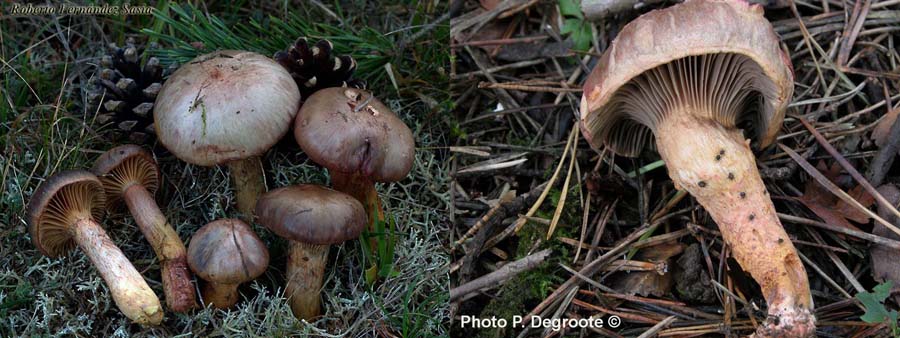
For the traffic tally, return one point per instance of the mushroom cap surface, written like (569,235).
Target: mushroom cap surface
(123,166)
(311,214)
(227,251)
(350,131)
(57,204)
(224,106)
(710,42)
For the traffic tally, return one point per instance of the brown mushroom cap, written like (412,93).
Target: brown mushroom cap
(718,59)
(224,106)
(337,132)
(123,166)
(311,214)
(227,251)
(57,204)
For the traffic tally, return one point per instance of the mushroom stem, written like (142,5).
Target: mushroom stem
(305,270)
(128,289)
(249,182)
(176,278)
(220,295)
(715,164)
(363,189)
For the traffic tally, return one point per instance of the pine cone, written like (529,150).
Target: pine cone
(125,92)
(316,68)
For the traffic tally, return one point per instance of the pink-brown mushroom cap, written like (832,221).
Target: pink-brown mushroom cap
(350,131)
(224,106)
(311,214)
(227,251)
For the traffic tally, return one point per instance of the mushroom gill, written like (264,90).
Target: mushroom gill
(725,87)
(73,202)
(133,170)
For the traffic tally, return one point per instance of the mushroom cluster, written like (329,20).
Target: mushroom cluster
(229,107)
(691,88)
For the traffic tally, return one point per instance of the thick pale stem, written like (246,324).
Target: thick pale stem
(362,189)
(249,182)
(717,167)
(176,278)
(220,295)
(305,272)
(128,289)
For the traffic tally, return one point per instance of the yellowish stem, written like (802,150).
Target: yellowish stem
(363,189)
(128,289)
(220,295)
(176,277)
(715,164)
(305,271)
(249,183)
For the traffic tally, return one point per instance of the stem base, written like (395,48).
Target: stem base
(220,295)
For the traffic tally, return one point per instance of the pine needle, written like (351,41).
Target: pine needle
(537,204)
(834,189)
(191,32)
(565,193)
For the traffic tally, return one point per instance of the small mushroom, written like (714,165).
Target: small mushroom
(311,218)
(130,175)
(63,213)
(227,107)
(226,253)
(359,139)
(691,87)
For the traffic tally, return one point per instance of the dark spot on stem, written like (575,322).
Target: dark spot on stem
(702,184)
(752,216)
(780,240)
(718,157)
(722,152)
(743,195)
(731,176)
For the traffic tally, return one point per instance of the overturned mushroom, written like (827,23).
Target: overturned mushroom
(129,174)
(359,139)
(227,107)
(311,218)
(226,253)
(691,87)
(63,213)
